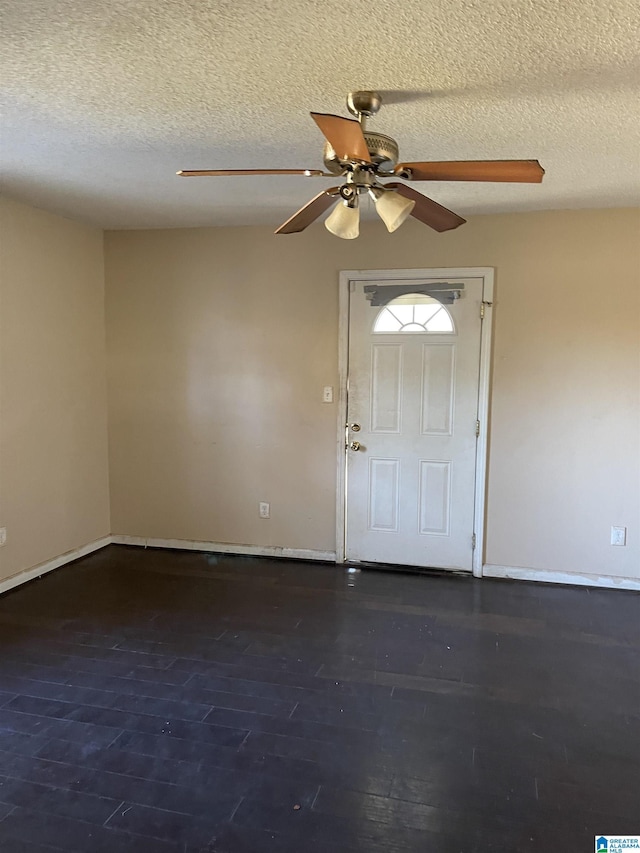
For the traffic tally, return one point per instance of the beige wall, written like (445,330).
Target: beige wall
(53,442)
(220,341)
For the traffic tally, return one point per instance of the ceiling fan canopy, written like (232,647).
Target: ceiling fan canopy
(362,157)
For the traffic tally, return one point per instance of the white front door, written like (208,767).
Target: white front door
(412,412)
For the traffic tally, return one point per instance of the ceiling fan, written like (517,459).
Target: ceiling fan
(362,157)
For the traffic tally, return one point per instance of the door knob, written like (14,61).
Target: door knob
(355,445)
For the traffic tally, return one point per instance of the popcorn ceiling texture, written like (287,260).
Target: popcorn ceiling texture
(105,99)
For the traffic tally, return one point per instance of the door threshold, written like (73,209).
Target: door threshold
(402,569)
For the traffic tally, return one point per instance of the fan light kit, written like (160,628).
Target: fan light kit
(362,157)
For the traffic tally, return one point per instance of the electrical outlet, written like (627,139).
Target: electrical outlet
(327,394)
(618,535)
(3,536)
(265,509)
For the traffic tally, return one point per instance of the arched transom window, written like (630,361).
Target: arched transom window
(414,312)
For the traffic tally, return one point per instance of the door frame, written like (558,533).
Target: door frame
(487,275)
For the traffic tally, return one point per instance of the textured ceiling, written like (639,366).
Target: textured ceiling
(105,99)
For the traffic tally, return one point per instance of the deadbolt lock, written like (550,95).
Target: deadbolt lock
(355,427)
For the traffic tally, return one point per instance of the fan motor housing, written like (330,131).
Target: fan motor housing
(383,151)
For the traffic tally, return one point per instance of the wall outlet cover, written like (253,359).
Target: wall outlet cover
(264,509)
(618,535)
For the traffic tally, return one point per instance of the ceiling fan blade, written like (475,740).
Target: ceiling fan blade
(516,171)
(428,211)
(344,135)
(310,212)
(217,173)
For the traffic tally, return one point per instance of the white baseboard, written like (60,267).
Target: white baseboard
(50,565)
(489,570)
(574,578)
(226,548)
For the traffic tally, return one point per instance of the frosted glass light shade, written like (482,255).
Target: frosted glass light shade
(344,221)
(392,208)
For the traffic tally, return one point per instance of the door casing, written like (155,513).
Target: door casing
(487,275)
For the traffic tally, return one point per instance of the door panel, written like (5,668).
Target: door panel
(438,388)
(435,490)
(386,389)
(383,494)
(413,396)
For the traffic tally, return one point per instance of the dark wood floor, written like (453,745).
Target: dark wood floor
(179,702)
